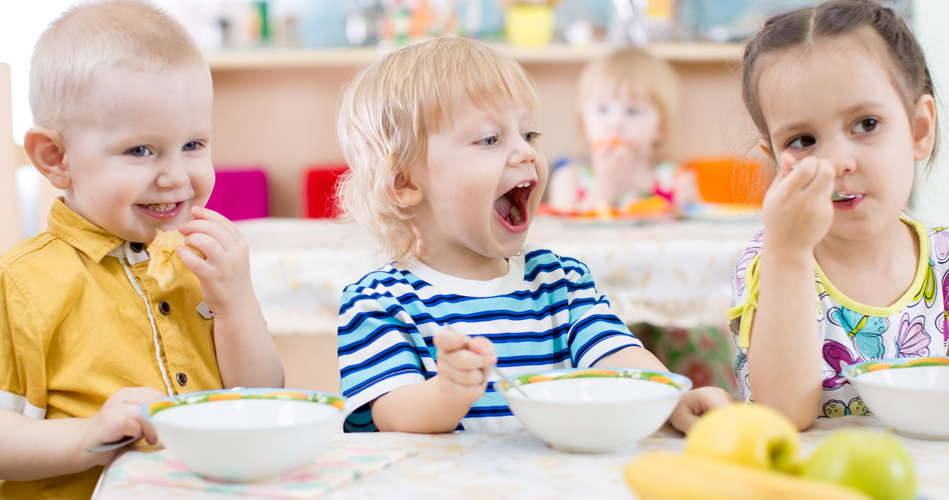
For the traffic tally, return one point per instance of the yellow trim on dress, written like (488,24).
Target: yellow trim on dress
(746,311)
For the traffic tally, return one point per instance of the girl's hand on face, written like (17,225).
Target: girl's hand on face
(463,365)
(225,273)
(618,167)
(797,208)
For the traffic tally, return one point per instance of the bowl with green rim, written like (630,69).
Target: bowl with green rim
(595,409)
(911,395)
(246,434)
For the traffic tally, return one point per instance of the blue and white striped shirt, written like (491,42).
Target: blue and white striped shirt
(544,314)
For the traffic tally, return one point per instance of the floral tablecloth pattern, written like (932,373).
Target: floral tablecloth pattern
(469,465)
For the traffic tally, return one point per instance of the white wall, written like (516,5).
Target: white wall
(931,18)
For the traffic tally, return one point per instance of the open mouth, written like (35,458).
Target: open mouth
(846,202)
(162,210)
(512,206)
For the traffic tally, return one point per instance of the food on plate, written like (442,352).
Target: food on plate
(160,252)
(667,476)
(756,436)
(872,462)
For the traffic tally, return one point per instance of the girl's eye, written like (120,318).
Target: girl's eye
(803,141)
(602,108)
(191,146)
(139,151)
(531,136)
(488,141)
(865,125)
(632,111)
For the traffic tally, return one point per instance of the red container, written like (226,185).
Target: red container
(320,182)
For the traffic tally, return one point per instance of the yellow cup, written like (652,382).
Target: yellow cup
(529,25)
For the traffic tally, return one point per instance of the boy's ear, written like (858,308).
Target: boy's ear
(45,149)
(765,146)
(924,127)
(406,191)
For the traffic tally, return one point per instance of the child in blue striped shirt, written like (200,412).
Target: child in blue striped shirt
(446,174)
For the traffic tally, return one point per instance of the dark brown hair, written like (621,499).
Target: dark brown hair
(807,26)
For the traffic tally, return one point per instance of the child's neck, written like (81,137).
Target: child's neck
(876,271)
(463,264)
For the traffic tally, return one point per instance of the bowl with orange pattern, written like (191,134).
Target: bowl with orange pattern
(246,434)
(911,395)
(594,410)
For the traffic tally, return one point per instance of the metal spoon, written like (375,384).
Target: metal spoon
(497,371)
(836,196)
(842,197)
(112,445)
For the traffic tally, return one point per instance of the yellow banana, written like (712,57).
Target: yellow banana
(666,476)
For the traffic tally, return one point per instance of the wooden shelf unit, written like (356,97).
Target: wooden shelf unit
(286,58)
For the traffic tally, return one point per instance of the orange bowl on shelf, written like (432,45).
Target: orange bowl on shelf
(729,180)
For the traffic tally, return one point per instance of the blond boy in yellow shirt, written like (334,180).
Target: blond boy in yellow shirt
(121,98)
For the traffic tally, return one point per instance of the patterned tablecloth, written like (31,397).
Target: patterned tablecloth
(517,465)
(667,274)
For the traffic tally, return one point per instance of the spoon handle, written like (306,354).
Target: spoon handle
(497,371)
(113,445)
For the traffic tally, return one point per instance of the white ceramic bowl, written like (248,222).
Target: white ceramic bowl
(246,434)
(594,410)
(911,395)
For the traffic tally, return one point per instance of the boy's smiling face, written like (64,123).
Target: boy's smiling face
(478,191)
(138,157)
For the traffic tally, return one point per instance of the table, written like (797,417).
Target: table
(666,274)
(468,465)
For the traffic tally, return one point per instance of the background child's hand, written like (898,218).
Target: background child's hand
(462,364)
(618,167)
(119,417)
(225,273)
(695,403)
(797,208)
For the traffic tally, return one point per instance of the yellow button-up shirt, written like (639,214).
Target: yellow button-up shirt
(79,320)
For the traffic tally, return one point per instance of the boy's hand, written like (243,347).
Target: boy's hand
(119,417)
(462,365)
(225,273)
(695,403)
(797,208)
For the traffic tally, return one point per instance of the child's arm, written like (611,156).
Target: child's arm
(439,403)
(617,168)
(39,449)
(784,362)
(246,353)
(693,403)
(563,188)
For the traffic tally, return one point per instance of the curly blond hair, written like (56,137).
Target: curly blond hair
(387,112)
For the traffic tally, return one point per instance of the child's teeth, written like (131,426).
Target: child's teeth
(515,216)
(161,207)
(523,185)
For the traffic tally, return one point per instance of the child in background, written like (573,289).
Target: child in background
(627,103)
(841,94)
(447,174)
(121,98)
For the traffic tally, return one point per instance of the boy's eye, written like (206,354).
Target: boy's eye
(488,141)
(531,136)
(803,141)
(865,125)
(632,111)
(191,146)
(139,151)
(602,108)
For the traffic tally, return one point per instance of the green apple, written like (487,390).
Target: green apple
(872,462)
(758,436)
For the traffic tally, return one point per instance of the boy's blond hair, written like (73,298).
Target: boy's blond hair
(389,109)
(630,70)
(93,38)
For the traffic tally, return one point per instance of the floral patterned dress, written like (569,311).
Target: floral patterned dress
(914,326)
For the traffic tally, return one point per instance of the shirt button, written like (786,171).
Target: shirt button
(164,307)
(137,247)
(182,379)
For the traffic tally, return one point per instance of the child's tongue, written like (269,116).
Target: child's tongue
(508,211)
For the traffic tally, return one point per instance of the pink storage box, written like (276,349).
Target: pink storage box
(240,194)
